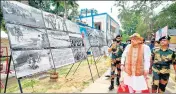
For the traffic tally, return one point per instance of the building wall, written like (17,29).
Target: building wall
(112,23)
(106,23)
(100,18)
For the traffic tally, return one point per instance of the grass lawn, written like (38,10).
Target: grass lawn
(72,84)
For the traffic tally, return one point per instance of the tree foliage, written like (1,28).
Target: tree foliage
(2,22)
(166,17)
(137,17)
(59,7)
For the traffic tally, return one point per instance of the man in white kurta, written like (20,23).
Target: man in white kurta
(137,83)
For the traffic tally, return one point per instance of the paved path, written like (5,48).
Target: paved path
(101,86)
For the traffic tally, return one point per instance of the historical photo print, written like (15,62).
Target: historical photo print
(62,57)
(61,24)
(72,27)
(79,54)
(49,20)
(85,37)
(95,51)
(102,39)
(93,37)
(22,37)
(76,42)
(31,61)
(18,13)
(58,39)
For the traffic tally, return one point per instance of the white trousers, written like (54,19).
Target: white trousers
(137,83)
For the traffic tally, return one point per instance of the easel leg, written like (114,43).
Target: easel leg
(69,70)
(90,70)
(96,67)
(7,77)
(98,59)
(77,68)
(19,83)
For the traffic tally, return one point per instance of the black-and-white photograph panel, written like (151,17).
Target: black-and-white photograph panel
(109,39)
(75,35)
(79,54)
(72,27)
(102,39)
(62,57)
(22,37)
(18,13)
(50,20)
(58,39)
(32,61)
(76,42)
(93,37)
(61,24)
(95,51)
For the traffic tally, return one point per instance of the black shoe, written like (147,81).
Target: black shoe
(107,76)
(111,87)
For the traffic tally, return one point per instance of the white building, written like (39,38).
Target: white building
(103,22)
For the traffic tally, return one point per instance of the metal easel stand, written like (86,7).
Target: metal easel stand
(95,65)
(8,71)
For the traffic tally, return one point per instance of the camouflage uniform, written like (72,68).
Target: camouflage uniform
(161,68)
(116,57)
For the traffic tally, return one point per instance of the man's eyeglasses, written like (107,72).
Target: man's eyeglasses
(118,41)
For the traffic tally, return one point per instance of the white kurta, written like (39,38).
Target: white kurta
(136,82)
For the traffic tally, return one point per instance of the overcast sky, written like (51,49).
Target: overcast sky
(105,6)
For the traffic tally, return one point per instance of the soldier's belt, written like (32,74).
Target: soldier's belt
(163,71)
(160,66)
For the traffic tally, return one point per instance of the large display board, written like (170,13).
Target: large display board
(83,32)
(77,44)
(18,13)
(41,41)
(23,37)
(54,22)
(62,57)
(31,61)
(58,39)
(93,37)
(96,37)
(73,27)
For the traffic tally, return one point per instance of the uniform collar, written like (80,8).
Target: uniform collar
(164,50)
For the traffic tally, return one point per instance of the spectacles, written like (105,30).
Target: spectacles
(118,41)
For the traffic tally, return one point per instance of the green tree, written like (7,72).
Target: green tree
(2,22)
(166,17)
(137,17)
(59,7)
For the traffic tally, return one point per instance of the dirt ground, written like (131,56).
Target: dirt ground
(72,84)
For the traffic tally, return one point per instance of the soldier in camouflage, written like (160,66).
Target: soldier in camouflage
(162,58)
(121,46)
(116,49)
